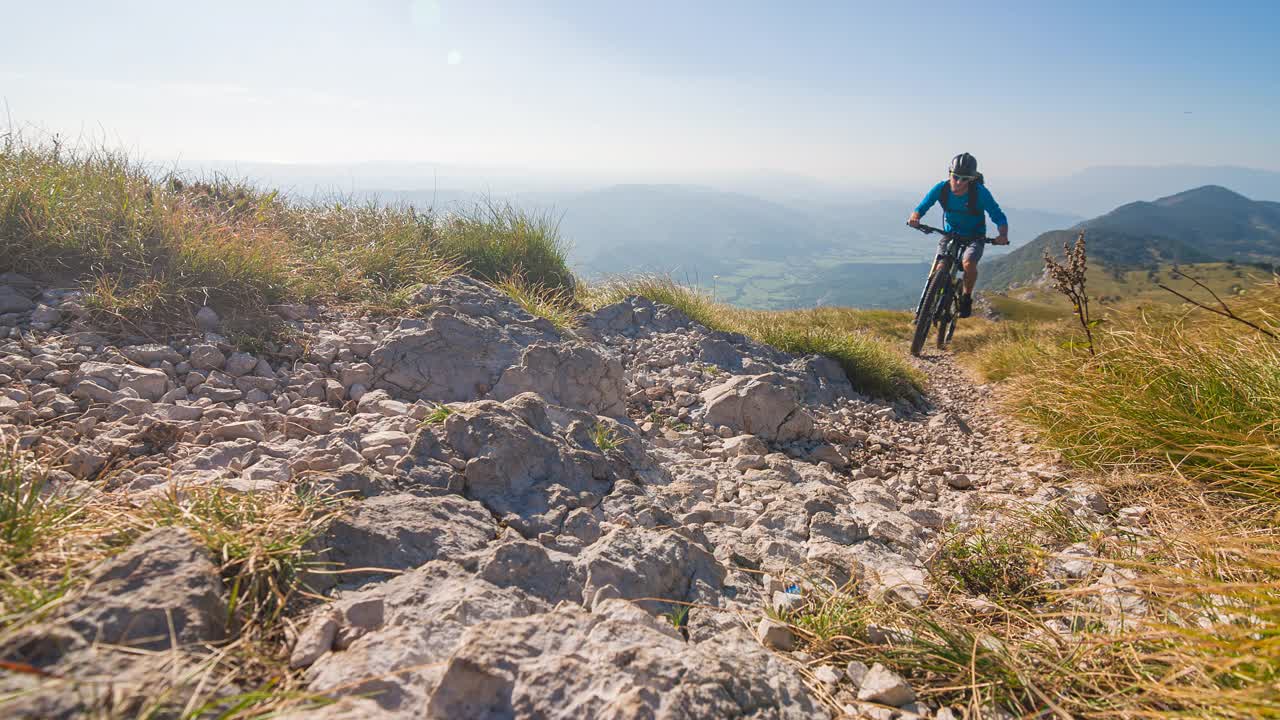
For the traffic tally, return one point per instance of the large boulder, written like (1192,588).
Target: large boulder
(653,565)
(394,656)
(405,531)
(471,335)
(763,405)
(524,468)
(572,375)
(149,384)
(633,316)
(618,662)
(543,573)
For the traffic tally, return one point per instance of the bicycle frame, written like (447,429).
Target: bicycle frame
(946,291)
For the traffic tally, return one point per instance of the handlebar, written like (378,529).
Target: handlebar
(926,229)
(929,230)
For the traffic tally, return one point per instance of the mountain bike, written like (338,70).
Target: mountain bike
(940,302)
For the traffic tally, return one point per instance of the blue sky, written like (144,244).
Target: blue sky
(842,91)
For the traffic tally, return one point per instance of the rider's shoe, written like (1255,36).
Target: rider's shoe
(966,306)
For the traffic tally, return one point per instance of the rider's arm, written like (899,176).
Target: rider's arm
(993,209)
(930,198)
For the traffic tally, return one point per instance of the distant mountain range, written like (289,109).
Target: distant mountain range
(1201,225)
(1085,193)
(1096,190)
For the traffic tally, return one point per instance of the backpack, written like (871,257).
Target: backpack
(971,203)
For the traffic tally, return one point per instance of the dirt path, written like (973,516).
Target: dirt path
(969,429)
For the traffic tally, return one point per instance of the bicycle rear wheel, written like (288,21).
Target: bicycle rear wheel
(929,303)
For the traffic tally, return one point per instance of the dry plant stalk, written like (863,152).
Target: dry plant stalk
(1069,279)
(1226,311)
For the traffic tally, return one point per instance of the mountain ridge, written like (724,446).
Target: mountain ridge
(1202,224)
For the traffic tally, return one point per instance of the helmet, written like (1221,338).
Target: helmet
(964,164)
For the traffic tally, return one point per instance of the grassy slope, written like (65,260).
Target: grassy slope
(1110,248)
(1175,419)
(1125,292)
(155,249)
(1177,413)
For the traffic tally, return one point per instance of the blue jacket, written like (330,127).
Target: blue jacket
(958,219)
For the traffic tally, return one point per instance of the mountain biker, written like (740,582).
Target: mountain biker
(964,200)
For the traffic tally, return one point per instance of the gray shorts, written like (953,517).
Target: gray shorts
(973,252)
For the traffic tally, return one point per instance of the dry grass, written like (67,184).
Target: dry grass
(1208,645)
(261,542)
(1195,394)
(1179,411)
(556,305)
(153,248)
(1001,350)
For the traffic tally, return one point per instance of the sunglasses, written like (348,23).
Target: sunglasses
(963,178)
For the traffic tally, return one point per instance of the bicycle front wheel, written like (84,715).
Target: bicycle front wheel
(929,304)
(947,314)
(946,327)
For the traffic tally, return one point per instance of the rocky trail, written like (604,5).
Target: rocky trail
(585,524)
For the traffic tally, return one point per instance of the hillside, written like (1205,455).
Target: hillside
(1200,225)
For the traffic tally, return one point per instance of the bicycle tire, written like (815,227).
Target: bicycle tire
(951,314)
(945,330)
(948,314)
(924,318)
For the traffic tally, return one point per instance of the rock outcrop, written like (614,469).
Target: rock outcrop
(548,524)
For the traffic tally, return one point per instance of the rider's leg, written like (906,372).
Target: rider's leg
(972,255)
(970,275)
(970,260)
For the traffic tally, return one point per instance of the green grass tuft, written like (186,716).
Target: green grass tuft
(30,511)
(556,305)
(438,415)
(1002,566)
(262,541)
(493,241)
(826,619)
(606,437)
